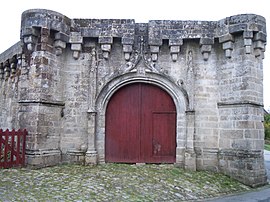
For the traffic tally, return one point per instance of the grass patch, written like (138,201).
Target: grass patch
(267,147)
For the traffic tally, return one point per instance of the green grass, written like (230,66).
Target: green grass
(267,147)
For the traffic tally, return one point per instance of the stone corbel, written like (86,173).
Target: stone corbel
(106,45)
(227,44)
(174,52)
(175,48)
(1,71)
(13,65)
(6,69)
(206,47)
(154,52)
(59,46)
(259,44)
(30,39)
(19,60)
(76,41)
(206,50)
(106,49)
(76,48)
(60,42)
(127,47)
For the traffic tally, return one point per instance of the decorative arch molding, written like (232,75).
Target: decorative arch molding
(178,93)
(184,122)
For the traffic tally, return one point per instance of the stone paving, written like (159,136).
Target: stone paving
(113,182)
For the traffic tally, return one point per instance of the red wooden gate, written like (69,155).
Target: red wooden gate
(12,148)
(140,125)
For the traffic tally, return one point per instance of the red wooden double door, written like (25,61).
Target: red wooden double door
(140,125)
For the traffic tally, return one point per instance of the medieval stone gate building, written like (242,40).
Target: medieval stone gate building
(98,90)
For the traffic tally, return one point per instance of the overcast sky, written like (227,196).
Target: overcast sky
(140,10)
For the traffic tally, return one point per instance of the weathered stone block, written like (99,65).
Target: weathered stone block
(60,44)
(260,36)
(127,48)
(227,45)
(75,37)
(225,38)
(206,41)
(127,40)
(76,47)
(105,39)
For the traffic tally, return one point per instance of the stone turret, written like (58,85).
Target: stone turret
(57,81)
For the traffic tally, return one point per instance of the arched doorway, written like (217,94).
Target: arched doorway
(140,125)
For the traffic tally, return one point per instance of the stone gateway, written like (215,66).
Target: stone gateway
(111,90)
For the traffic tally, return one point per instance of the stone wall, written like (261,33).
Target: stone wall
(58,80)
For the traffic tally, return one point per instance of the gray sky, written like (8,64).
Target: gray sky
(141,11)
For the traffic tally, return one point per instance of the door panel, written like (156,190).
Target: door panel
(140,125)
(163,145)
(122,126)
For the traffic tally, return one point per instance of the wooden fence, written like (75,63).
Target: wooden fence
(12,148)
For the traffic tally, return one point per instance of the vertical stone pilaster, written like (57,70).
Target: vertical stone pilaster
(190,155)
(91,154)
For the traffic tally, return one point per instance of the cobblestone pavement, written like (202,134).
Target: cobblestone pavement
(113,182)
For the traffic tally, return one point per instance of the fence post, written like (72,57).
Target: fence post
(1,142)
(18,159)
(13,133)
(23,146)
(6,149)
